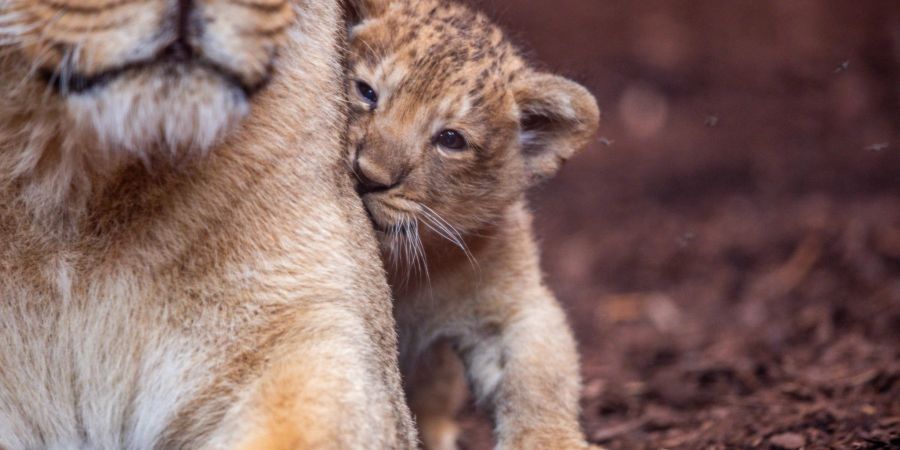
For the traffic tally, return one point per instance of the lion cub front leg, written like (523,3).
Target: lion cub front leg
(522,363)
(437,392)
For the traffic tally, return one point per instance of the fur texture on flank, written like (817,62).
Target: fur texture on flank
(183,261)
(449,127)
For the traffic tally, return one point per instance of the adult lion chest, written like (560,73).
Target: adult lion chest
(121,339)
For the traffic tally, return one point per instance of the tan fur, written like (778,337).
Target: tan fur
(154,297)
(455,230)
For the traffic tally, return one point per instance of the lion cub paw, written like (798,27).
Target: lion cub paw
(575,445)
(439,434)
(549,444)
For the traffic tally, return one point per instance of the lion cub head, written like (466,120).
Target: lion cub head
(449,125)
(89,76)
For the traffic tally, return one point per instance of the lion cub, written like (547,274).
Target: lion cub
(449,127)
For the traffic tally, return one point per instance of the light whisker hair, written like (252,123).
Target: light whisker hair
(419,249)
(407,252)
(21,34)
(439,225)
(397,249)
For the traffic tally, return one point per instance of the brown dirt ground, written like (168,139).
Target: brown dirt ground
(729,249)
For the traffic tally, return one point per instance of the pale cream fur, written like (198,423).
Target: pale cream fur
(205,283)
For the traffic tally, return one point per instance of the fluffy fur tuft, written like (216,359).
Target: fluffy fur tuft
(160,116)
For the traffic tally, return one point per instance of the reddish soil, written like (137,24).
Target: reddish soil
(729,249)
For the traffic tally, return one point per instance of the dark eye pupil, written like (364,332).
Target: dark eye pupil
(367,92)
(451,139)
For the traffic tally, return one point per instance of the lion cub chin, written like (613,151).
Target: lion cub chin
(449,128)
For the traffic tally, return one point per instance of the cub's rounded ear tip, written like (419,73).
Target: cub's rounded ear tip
(587,110)
(367,9)
(592,110)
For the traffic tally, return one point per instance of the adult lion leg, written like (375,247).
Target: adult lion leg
(325,389)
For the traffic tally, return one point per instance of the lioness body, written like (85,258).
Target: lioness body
(449,127)
(153,298)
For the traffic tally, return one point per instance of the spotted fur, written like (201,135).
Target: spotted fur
(454,225)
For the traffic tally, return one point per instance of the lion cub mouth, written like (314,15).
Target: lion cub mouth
(385,219)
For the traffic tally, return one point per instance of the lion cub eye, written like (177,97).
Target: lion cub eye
(451,140)
(367,92)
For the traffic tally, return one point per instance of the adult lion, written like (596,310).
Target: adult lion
(172,273)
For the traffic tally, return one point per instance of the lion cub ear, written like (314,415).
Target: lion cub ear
(360,10)
(557,118)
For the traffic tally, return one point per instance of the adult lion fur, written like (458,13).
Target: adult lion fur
(183,262)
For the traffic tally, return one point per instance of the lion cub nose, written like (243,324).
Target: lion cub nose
(373,177)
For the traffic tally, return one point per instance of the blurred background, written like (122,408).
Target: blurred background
(728,250)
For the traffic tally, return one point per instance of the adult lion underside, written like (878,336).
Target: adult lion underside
(183,263)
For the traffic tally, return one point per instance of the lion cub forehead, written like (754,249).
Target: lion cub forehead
(437,53)
(458,37)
